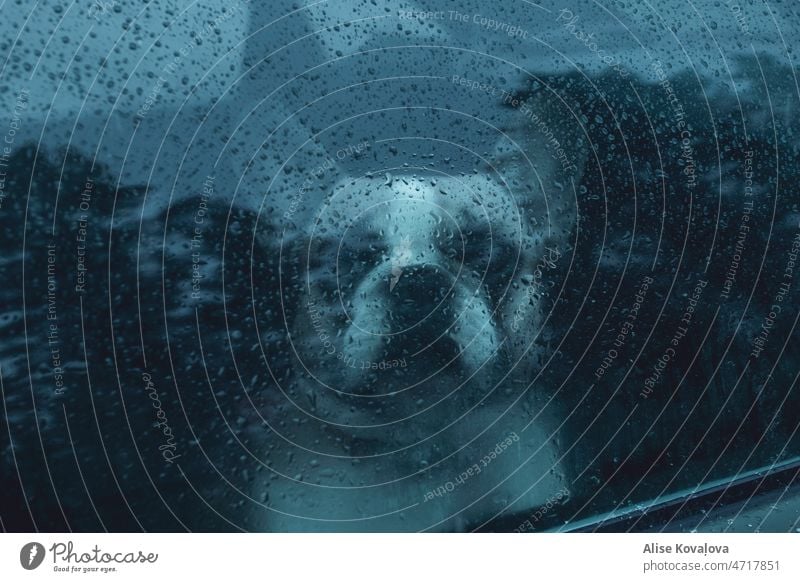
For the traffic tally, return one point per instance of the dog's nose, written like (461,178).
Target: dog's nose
(419,295)
(422,313)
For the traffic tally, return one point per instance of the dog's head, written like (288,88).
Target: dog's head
(414,290)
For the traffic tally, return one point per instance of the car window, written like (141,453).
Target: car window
(379,266)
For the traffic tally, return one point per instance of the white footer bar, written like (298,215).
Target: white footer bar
(401,557)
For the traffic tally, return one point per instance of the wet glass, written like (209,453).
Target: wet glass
(361,266)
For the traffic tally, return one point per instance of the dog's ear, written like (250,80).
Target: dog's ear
(541,158)
(540,161)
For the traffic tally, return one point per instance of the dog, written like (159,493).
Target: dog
(416,319)
(412,304)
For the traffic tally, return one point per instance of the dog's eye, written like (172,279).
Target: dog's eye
(319,252)
(363,256)
(505,262)
(449,243)
(496,255)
